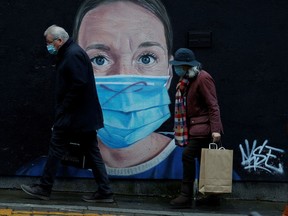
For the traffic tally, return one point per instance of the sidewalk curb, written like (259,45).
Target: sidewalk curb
(108,210)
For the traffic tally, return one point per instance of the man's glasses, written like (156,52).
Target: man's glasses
(50,42)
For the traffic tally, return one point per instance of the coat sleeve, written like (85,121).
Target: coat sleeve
(208,90)
(77,72)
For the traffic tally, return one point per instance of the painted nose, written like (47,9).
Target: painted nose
(125,69)
(125,65)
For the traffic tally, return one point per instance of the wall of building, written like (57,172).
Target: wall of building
(242,45)
(247,58)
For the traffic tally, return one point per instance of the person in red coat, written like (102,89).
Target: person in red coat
(197,117)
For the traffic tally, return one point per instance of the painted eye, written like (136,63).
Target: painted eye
(99,61)
(147,59)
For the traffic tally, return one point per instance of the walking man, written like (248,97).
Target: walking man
(77,114)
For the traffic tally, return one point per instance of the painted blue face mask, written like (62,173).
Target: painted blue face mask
(51,49)
(133,107)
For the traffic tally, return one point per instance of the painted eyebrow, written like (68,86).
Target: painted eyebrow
(106,48)
(150,44)
(98,46)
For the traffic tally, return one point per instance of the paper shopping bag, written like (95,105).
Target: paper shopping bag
(216,168)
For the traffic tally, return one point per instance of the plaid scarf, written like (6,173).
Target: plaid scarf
(180,124)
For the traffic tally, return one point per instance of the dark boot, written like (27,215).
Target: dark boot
(184,199)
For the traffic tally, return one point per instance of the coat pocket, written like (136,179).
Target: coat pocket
(199,126)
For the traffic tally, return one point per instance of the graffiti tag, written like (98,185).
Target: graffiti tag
(262,157)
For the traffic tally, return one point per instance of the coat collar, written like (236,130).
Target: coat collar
(64,47)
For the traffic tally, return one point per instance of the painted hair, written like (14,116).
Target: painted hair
(156,7)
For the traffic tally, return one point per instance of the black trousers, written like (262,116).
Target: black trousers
(59,140)
(192,151)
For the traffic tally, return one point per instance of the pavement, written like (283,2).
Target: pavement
(14,202)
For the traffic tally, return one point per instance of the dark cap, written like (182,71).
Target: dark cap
(184,56)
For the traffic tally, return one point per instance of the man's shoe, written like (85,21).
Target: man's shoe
(97,197)
(36,191)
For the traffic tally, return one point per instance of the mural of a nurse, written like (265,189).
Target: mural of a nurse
(129,43)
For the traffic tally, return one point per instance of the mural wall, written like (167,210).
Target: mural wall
(243,48)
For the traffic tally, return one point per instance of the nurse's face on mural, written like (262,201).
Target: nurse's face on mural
(124,38)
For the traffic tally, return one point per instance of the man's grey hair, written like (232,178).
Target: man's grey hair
(57,32)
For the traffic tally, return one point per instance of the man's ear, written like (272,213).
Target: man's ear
(61,42)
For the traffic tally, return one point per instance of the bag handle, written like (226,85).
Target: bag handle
(215,146)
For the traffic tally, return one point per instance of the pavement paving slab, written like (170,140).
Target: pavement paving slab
(14,202)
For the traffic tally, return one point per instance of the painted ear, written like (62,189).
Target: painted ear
(170,72)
